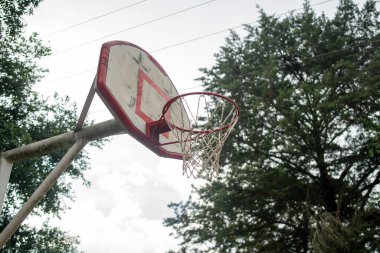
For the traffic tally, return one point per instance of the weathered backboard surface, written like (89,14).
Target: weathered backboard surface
(135,88)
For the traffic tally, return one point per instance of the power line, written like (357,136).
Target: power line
(212,34)
(136,26)
(226,30)
(94,18)
(189,41)
(70,76)
(195,39)
(172,14)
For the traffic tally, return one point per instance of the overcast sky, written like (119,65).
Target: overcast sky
(124,208)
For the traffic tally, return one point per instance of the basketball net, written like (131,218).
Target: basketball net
(202,130)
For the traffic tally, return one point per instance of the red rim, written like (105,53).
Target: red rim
(172,100)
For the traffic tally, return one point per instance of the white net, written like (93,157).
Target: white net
(201,122)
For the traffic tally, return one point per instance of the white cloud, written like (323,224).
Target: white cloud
(124,208)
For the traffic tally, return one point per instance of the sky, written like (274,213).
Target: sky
(131,187)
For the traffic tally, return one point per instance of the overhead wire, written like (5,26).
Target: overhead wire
(95,18)
(290,62)
(188,41)
(69,76)
(227,29)
(136,26)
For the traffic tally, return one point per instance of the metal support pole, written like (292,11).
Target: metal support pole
(41,191)
(5,172)
(93,132)
(79,139)
(97,131)
(86,107)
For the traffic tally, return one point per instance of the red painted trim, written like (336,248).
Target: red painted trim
(143,76)
(116,109)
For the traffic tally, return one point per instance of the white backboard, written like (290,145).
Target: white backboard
(135,88)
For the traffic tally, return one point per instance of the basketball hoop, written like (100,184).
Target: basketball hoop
(139,93)
(201,121)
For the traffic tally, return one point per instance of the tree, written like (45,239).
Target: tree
(26,117)
(302,168)
(46,239)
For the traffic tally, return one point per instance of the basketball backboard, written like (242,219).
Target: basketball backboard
(135,88)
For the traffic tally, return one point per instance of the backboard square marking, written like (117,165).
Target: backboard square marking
(126,70)
(142,82)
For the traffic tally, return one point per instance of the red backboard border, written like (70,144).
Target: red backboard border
(116,109)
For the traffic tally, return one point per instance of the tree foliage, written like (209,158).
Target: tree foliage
(302,169)
(26,117)
(46,239)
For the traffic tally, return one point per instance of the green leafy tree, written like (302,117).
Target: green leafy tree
(26,117)
(46,239)
(302,169)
